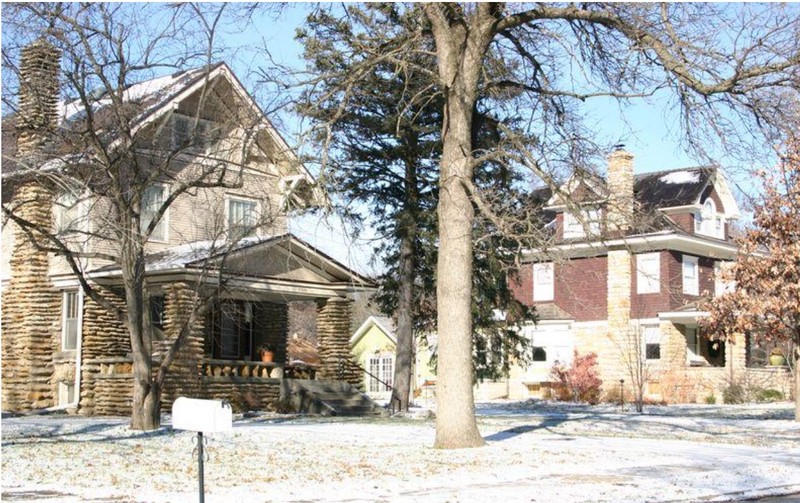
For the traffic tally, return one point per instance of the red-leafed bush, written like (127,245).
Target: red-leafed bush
(579,381)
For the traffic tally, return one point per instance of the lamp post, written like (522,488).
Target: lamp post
(621,395)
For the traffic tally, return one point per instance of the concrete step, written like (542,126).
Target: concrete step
(331,398)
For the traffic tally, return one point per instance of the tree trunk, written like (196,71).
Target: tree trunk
(797,382)
(405,334)
(146,412)
(460,49)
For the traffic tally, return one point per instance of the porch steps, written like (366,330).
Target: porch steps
(330,398)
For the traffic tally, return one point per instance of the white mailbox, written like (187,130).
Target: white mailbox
(206,416)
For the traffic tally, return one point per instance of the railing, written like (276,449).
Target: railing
(394,401)
(241,368)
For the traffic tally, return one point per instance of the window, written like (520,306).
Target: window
(574,227)
(152,199)
(381,368)
(70,213)
(543,281)
(691,284)
(709,222)
(241,218)
(652,343)
(185,135)
(539,354)
(157,311)
(232,330)
(693,352)
(722,285)
(70,318)
(648,273)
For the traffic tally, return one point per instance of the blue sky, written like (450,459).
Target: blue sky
(649,130)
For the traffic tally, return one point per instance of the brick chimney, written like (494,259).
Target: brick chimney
(38,96)
(620,191)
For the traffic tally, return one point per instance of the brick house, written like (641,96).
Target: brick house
(631,259)
(63,350)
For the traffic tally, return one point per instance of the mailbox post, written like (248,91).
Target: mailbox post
(202,416)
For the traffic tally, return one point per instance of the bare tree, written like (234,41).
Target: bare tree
(103,153)
(542,65)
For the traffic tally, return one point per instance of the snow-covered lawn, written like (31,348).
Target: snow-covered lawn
(535,451)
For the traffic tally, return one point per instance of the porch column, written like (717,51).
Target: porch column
(183,378)
(337,362)
(103,336)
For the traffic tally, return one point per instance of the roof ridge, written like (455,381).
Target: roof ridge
(666,171)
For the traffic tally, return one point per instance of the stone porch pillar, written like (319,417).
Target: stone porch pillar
(183,378)
(333,339)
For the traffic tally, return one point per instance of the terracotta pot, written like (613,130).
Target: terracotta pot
(267,356)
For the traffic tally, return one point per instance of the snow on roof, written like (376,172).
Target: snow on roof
(152,91)
(681,177)
(182,255)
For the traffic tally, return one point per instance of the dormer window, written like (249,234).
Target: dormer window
(575,227)
(709,222)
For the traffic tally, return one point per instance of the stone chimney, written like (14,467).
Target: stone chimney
(620,191)
(31,305)
(38,96)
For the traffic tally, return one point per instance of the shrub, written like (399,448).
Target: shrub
(711,399)
(769,395)
(579,380)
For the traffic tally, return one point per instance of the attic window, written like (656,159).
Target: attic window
(193,133)
(709,222)
(575,227)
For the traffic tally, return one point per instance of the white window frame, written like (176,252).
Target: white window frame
(163,225)
(708,222)
(651,335)
(573,228)
(76,305)
(648,281)
(721,287)
(256,212)
(381,366)
(691,285)
(693,352)
(543,282)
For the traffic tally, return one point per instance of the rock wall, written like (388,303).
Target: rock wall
(183,378)
(337,362)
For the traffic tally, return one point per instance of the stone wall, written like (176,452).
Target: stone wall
(183,377)
(333,339)
(103,337)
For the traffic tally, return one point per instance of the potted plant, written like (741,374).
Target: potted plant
(267,353)
(776,358)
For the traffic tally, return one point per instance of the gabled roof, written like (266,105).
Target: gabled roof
(154,99)
(247,257)
(384,323)
(670,188)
